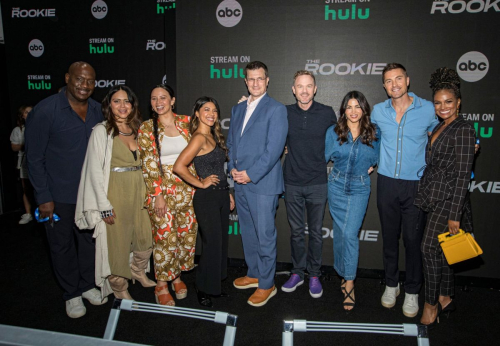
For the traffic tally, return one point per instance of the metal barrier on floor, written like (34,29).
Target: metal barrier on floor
(131,305)
(418,331)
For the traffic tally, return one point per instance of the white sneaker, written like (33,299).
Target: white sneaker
(389,297)
(25,218)
(75,307)
(94,297)
(410,306)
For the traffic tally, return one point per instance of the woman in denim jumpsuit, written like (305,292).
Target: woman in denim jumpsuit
(353,147)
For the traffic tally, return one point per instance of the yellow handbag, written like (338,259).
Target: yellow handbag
(459,247)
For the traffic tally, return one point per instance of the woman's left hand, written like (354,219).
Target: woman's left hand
(231,202)
(453,226)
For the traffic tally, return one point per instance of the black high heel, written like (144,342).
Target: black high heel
(221,295)
(448,309)
(204,299)
(436,320)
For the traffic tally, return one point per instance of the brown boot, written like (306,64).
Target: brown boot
(119,286)
(139,264)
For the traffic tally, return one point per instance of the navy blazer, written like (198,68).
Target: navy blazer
(448,172)
(258,149)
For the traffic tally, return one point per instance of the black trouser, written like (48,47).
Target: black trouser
(72,251)
(211,207)
(398,213)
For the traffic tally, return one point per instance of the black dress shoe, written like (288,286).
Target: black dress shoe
(221,295)
(204,299)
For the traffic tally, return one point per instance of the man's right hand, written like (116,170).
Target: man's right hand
(46,210)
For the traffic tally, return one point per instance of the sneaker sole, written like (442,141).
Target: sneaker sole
(246,286)
(316,295)
(273,293)
(93,302)
(410,315)
(389,305)
(291,289)
(77,315)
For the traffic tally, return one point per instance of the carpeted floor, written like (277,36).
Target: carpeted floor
(31,298)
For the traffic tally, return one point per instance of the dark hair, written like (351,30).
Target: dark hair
(367,129)
(445,78)
(255,65)
(133,120)
(216,130)
(154,117)
(392,66)
(20,121)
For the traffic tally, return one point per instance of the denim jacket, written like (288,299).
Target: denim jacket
(352,159)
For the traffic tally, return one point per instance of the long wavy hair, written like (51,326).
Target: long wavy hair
(215,130)
(133,120)
(154,117)
(367,129)
(20,121)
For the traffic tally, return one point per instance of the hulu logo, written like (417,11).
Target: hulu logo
(39,86)
(233,229)
(226,73)
(481,133)
(104,49)
(345,14)
(160,9)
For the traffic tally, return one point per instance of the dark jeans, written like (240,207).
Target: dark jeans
(72,252)
(300,200)
(397,213)
(211,207)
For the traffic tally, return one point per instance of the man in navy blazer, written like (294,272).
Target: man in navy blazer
(256,140)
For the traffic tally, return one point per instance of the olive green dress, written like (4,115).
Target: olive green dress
(132,228)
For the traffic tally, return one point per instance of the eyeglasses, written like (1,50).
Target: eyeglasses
(258,80)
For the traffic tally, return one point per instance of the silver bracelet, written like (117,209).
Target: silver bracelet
(106,213)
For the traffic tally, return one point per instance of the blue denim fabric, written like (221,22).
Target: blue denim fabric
(348,194)
(403,144)
(347,200)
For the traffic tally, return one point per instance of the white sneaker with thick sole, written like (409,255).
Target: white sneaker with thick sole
(75,307)
(94,297)
(25,218)
(410,306)
(389,297)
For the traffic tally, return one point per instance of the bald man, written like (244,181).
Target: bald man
(57,132)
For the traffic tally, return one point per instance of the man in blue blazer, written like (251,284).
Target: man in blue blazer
(256,140)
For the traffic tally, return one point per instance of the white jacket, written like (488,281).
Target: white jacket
(92,199)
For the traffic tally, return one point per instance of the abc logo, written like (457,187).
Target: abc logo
(99,9)
(36,48)
(229,13)
(472,66)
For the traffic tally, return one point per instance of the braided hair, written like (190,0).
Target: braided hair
(445,79)
(154,116)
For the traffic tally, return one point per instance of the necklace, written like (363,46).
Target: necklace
(126,134)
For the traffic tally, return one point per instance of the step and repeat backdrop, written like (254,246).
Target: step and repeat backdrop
(127,42)
(201,48)
(346,44)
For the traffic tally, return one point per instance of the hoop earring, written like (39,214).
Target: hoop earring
(173,106)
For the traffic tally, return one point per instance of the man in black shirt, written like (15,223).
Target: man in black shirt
(306,180)
(57,134)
